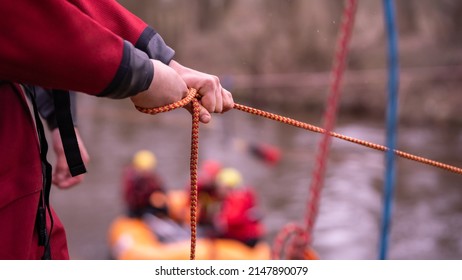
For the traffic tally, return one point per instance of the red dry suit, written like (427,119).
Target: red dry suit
(97,47)
(240,217)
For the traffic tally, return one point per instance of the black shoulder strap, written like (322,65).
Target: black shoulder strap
(67,132)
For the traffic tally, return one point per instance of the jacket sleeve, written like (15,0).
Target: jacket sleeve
(119,20)
(54,44)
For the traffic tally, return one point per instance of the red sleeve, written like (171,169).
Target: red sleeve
(54,44)
(114,17)
(119,20)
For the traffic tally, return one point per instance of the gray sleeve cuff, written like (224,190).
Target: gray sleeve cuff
(154,46)
(134,75)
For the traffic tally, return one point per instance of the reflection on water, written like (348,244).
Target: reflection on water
(427,210)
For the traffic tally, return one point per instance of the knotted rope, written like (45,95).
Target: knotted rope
(192,97)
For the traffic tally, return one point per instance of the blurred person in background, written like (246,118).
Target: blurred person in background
(239,216)
(139,180)
(146,231)
(93,47)
(147,209)
(209,202)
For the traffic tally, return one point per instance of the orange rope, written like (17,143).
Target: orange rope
(290,242)
(193,173)
(378,147)
(192,97)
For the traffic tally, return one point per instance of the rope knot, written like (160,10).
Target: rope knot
(292,243)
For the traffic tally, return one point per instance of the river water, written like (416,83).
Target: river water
(427,212)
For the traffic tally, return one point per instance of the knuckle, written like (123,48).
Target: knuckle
(216,80)
(212,81)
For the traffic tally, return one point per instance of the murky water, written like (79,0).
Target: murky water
(427,216)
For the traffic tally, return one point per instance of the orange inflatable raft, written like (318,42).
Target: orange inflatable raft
(132,239)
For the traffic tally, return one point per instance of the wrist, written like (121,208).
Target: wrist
(139,98)
(176,66)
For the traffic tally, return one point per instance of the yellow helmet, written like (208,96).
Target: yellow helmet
(144,160)
(229,177)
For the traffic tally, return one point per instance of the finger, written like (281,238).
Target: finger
(218,100)
(208,91)
(67,182)
(228,102)
(208,101)
(71,181)
(204,115)
(62,178)
(58,176)
(55,181)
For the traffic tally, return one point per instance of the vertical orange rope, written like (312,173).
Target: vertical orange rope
(193,174)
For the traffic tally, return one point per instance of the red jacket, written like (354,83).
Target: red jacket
(86,46)
(239,217)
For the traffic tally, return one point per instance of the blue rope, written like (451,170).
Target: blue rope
(393,84)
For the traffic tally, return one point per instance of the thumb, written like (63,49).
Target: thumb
(204,115)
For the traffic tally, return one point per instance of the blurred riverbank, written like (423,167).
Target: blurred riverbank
(428,95)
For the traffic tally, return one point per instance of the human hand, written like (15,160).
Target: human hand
(62,177)
(166,88)
(215,99)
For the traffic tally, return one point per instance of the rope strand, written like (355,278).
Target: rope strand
(193,168)
(367,144)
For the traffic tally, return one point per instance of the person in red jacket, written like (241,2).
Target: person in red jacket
(146,199)
(209,200)
(95,47)
(239,217)
(139,181)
